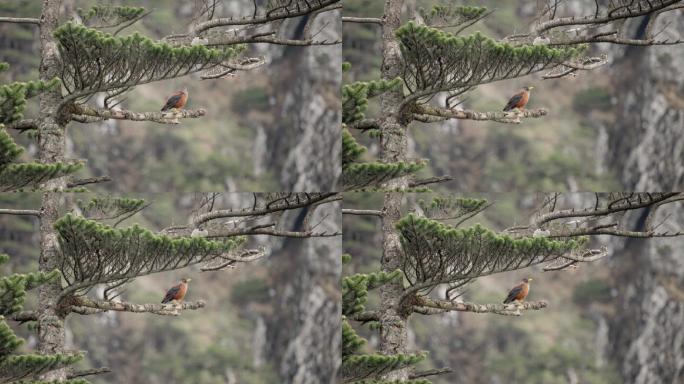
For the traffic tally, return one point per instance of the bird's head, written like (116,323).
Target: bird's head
(186,280)
(527,280)
(185,90)
(528,88)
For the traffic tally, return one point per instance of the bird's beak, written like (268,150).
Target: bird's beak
(530,279)
(531,88)
(188,280)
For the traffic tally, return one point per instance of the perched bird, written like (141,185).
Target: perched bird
(519,292)
(177,292)
(177,100)
(519,100)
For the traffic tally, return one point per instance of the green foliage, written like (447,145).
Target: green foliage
(593,98)
(451,15)
(355,289)
(87,53)
(13,98)
(355,97)
(368,175)
(594,290)
(15,176)
(366,368)
(104,16)
(15,367)
(438,61)
(104,208)
(451,207)
(437,253)
(95,253)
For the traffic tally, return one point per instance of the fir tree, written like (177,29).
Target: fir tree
(91,250)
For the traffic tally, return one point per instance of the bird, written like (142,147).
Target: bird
(519,100)
(519,292)
(177,100)
(177,292)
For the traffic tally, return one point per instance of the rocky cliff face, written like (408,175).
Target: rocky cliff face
(306,133)
(303,334)
(646,147)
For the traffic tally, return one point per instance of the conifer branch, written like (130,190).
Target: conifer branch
(88,372)
(168,117)
(512,117)
(428,306)
(173,309)
(90,180)
(273,15)
(361,212)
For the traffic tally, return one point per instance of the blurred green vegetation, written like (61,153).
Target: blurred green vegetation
(593,98)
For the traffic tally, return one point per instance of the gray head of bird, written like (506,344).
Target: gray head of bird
(185,90)
(528,88)
(186,280)
(527,280)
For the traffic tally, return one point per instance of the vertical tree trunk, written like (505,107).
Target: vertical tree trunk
(51,336)
(393,324)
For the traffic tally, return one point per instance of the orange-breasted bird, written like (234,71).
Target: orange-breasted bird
(176,100)
(177,292)
(519,292)
(519,100)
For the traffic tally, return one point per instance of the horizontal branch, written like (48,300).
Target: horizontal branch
(366,316)
(285,14)
(627,13)
(361,212)
(87,372)
(512,117)
(226,213)
(363,20)
(429,180)
(20,212)
(24,316)
(90,180)
(20,20)
(157,309)
(572,213)
(168,117)
(23,125)
(427,306)
(430,372)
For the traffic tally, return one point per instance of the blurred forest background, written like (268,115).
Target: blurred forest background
(270,129)
(257,327)
(614,128)
(604,322)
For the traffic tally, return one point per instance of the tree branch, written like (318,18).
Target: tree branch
(20,20)
(90,180)
(157,309)
(512,117)
(20,212)
(429,180)
(427,306)
(169,117)
(361,212)
(430,372)
(365,20)
(88,372)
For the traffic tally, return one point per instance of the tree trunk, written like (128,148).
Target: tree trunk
(393,324)
(51,146)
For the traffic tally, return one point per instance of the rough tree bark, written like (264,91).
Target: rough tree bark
(51,146)
(393,323)
(304,331)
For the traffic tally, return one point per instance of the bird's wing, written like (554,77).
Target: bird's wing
(171,102)
(171,294)
(513,101)
(515,291)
